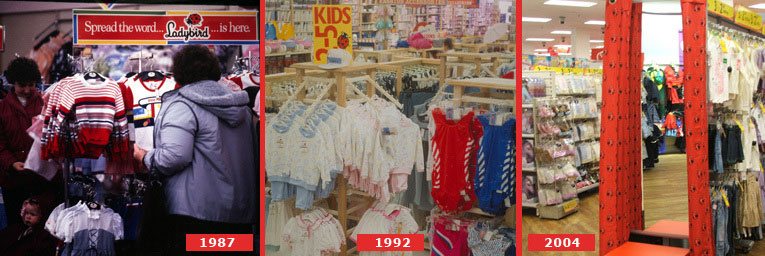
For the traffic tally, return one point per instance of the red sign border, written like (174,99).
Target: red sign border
(2,38)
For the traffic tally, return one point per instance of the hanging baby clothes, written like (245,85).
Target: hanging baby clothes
(313,233)
(718,76)
(495,175)
(86,231)
(279,213)
(486,241)
(314,137)
(450,237)
(88,116)
(751,202)
(145,97)
(385,218)
(455,145)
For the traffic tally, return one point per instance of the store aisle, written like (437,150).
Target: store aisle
(583,222)
(665,190)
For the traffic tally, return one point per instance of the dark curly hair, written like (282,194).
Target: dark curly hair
(23,71)
(195,63)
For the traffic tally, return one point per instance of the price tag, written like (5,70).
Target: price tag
(304,146)
(561,242)
(741,126)
(570,205)
(219,242)
(390,242)
(725,198)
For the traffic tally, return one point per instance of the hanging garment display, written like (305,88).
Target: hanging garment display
(494,179)
(313,233)
(454,145)
(86,230)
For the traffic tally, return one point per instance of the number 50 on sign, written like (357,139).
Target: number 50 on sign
(332,29)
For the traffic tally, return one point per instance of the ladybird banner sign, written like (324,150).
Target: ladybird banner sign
(96,27)
(332,35)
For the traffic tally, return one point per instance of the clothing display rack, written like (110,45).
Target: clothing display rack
(379,56)
(459,62)
(553,93)
(342,77)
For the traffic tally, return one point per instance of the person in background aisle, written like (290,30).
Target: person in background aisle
(448,45)
(205,146)
(16,112)
(29,238)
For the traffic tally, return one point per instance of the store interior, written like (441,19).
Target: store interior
(424,65)
(560,39)
(111,187)
(562,78)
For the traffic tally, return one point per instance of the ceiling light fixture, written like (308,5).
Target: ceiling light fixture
(565,54)
(562,45)
(595,22)
(757,6)
(534,19)
(596,41)
(534,39)
(561,32)
(599,47)
(570,3)
(540,50)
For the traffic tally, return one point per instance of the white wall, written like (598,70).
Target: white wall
(660,39)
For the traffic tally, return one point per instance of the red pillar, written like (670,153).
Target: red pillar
(694,57)
(620,165)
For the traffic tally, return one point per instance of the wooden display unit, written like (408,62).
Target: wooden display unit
(381,55)
(342,76)
(479,60)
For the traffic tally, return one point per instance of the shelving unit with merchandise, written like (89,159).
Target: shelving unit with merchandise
(561,124)
(283,53)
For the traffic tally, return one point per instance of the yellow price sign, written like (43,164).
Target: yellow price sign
(570,205)
(748,18)
(720,8)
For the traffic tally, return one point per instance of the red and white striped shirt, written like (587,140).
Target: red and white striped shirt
(95,114)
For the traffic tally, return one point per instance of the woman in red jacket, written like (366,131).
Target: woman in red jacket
(16,112)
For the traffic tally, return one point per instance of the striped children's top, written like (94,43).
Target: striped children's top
(88,116)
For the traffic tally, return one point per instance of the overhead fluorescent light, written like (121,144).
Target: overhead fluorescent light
(596,41)
(533,19)
(598,47)
(561,32)
(540,50)
(564,54)
(534,39)
(595,22)
(757,6)
(542,54)
(562,45)
(570,3)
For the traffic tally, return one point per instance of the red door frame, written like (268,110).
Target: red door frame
(620,165)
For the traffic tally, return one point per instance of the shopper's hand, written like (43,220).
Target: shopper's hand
(18,166)
(138,153)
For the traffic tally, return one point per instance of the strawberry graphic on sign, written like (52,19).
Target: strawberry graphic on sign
(343,41)
(193,19)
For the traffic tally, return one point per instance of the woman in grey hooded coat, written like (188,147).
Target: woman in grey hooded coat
(205,145)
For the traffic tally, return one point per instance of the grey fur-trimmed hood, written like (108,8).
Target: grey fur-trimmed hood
(229,106)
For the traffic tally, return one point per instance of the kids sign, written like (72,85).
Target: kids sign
(94,27)
(332,35)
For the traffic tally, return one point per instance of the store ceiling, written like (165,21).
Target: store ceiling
(574,21)
(576,16)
